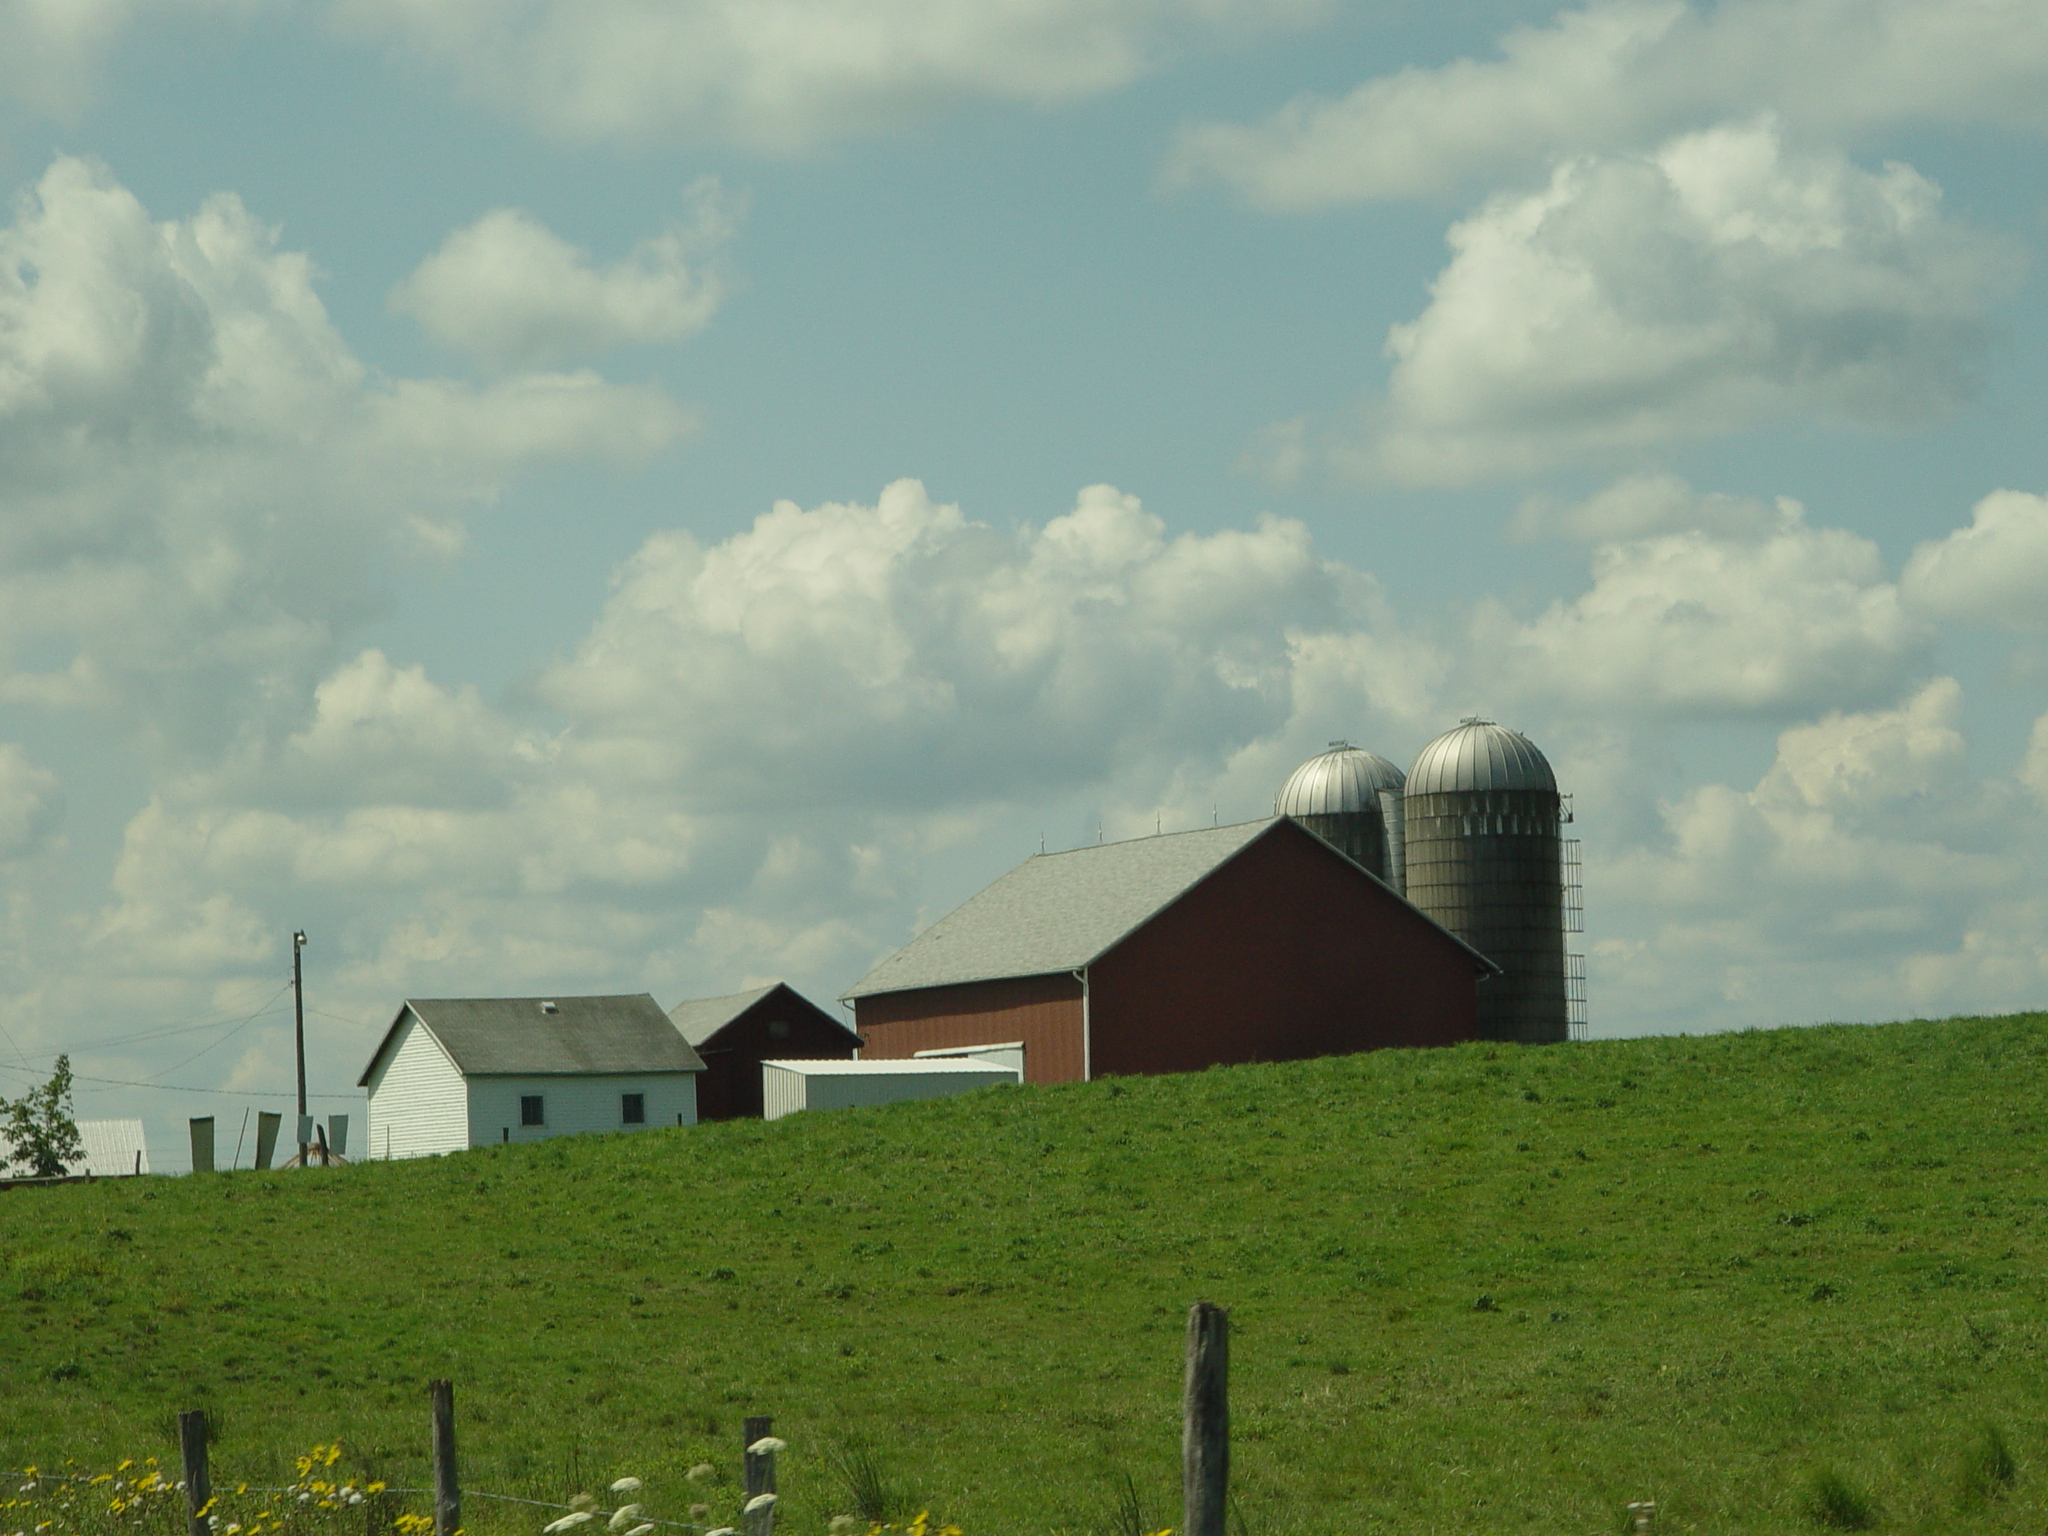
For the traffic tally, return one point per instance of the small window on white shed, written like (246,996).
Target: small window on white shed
(530,1110)
(633,1108)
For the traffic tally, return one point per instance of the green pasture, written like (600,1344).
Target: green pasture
(1780,1281)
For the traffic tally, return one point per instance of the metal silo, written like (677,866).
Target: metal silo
(1351,799)
(1485,859)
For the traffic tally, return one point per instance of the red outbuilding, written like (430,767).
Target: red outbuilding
(1254,942)
(735,1034)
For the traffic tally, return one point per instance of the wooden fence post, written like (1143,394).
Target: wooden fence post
(760,1475)
(447,1492)
(1205,1425)
(198,1474)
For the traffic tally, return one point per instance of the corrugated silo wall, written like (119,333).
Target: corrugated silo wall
(1484,863)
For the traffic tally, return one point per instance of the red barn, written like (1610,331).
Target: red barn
(734,1034)
(1255,942)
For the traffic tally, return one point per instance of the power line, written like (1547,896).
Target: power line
(4,1030)
(224,1039)
(340,1018)
(153,1032)
(238,1093)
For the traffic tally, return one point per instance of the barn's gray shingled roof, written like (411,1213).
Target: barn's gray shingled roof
(1061,911)
(1058,911)
(516,1036)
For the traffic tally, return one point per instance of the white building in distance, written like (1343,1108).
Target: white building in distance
(113,1149)
(464,1072)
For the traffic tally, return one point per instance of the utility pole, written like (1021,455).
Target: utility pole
(299,1009)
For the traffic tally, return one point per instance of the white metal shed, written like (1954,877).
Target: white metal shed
(788,1086)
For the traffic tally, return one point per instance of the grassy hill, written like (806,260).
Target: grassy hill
(1482,1289)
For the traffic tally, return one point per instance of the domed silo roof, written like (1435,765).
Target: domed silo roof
(1342,781)
(1480,755)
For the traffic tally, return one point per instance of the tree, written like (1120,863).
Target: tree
(39,1130)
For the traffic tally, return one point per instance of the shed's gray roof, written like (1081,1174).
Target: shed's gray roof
(519,1037)
(1480,755)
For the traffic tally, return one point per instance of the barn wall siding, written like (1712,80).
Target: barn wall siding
(416,1099)
(575,1105)
(1284,953)
(1042,1011)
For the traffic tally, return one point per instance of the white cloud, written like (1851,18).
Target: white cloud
(1995,571)
(1724,281)
(1639,506)
(52,52)
(1741,610)
(1867,875)
(1611,75)
(203,483)
(30,803)
(902,655)
(513,294)
(784,75)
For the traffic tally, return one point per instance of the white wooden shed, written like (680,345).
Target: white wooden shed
(788,1086)
(459,1072)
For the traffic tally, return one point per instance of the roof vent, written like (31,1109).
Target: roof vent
(549,1007)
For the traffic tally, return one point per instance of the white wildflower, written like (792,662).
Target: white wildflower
(758,1502)
(623,1516)
(627,1485)
(568,1522)
(641,1530)
(723,1530)
(767,1445)
(699,1472)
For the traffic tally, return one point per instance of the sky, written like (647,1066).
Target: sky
(622,496)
